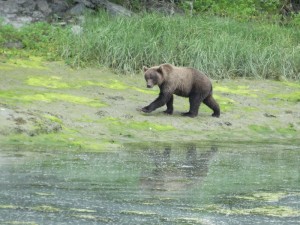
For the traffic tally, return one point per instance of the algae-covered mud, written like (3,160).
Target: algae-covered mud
(76,149)
(48,104)
(145,184)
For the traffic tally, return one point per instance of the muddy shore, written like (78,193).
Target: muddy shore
(50,104)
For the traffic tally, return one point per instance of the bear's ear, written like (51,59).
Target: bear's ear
(160,70)
(145,68)
(164,69)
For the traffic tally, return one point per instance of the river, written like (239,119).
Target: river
(146,184)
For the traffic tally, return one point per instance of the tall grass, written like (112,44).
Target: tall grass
(220,47)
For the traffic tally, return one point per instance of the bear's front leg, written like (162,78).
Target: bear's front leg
(169,106)
(159,102)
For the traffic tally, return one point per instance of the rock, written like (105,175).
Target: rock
(8,7)
(112,8)
(26,7)
(228,123)
(269,115)
(37,16)
(44,7)
(59,6)
(77,10)
(13,44)
(17,21)
(168,8)
(21,12)
(87,3)
(117,10)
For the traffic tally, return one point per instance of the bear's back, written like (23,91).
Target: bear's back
(190,80)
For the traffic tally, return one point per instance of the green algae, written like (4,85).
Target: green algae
(237,90)
(31,62)
(260,129)
(92,217)
(19,223)
(293,96)
(70,140)
(112,84)
(275,211)
(145,91)
(8,207)
(117,85)
(290,129)
(263,196)
(137,125)
(86,217)
(139,213)
(53,82)
(45,209)
(90,144)
(189,220)
(5,67)
(267,130)
(83,210)
(50,97)
(44,194)
(292,84)
(53,118)
(226,104)
(18,96)
(250,109)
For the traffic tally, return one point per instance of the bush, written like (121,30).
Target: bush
(40,38)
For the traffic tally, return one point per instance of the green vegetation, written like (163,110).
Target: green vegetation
(221,47)
(12,96)
(40,38)
(241,9)
(274,211)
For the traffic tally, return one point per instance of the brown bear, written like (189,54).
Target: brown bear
(181,81)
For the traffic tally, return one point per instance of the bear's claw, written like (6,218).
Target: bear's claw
(169,112)
(145,110)
(215,115)
(189,114)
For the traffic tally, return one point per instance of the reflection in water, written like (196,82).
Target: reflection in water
(176,174)
(186,184)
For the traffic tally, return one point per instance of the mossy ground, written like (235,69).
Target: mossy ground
(248,205)
(96,109)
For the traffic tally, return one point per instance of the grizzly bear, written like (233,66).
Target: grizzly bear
(181,81)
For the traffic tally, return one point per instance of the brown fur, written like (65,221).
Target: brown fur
(181,81)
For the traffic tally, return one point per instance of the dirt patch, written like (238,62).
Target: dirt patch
(51,103)
(32,123)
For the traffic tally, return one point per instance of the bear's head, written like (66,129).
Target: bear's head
(156,75)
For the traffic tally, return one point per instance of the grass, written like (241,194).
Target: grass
(221,47)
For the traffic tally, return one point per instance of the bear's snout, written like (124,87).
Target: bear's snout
(149,86)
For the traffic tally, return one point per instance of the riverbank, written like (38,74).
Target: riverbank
(50,104)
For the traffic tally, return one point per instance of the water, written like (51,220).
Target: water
(187,184)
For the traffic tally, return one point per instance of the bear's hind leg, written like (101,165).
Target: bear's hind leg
(195,101)
(169,106)
(211,103)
